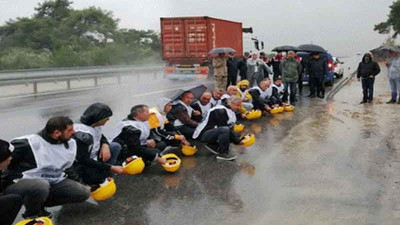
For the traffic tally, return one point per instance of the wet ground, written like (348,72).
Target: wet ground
(328,162)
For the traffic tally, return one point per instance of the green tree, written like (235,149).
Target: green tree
(393,21)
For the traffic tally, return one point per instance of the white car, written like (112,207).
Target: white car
(338,67)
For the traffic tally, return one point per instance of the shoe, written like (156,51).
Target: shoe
(398,102)
(321,96)
(362,102)
(370,101)
(311,96)
(391,101)
(212,148)
(226,156)
(42,213)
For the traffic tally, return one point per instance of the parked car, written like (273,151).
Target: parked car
(338,67)
(329,80)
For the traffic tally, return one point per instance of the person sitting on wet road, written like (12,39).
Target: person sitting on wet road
(10,203)
(216,97)
(202,105)
(277,91)
(243,93)
(217,129)
(161,128)
(181,114)
(133,135)
(366,71)
(317,69)
(37,169)
(96,158)
(261,95)
(232,91)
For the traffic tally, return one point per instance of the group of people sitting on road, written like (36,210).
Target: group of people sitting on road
(65,162)
(290,69)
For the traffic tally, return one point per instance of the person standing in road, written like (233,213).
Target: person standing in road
(275,62)
(317,69)
(394,77)
(256,70)
(242,66)
(366,71)
(290,69)
(220,71)
(232,66)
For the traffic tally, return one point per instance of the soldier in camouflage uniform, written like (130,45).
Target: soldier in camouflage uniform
(220,71)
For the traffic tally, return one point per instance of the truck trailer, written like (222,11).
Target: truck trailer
(186,42)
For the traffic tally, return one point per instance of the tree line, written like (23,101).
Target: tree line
(59,36)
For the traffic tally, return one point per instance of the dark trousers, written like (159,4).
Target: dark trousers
(219,136)
(292,87)
(368,88)
(38,193)
(10,206)
(300,84)
(186,131)
(317,85)
(232,79)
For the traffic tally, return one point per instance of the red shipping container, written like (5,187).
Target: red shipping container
(187,40)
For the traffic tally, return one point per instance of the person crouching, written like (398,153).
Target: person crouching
(133,135)
(217,129)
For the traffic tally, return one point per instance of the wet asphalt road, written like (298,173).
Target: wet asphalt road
(328,162)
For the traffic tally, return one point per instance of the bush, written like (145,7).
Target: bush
(23,58)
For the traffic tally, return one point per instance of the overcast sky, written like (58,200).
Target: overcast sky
(344,27)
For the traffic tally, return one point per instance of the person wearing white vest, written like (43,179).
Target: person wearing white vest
(37,169)
(277,91)
(217,129)
(11,203)
(181,114)
(261,95)
(216,97)
(161,128)
(133,135)
(96,159)
(203,105)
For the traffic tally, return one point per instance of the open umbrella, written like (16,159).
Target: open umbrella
(312,48)
(216,51)
(197,91)
(384,51)
(285,48)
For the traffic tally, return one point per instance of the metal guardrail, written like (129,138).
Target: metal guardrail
(36,76)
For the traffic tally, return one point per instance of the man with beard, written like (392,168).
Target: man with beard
(36,171)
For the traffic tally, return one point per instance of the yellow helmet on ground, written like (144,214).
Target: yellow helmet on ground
(238,127)
(173,162)
(188,150)
(133,165)
(105,191)
(249,140)
(37,221)
(289,108)
(253,114)
(275,110)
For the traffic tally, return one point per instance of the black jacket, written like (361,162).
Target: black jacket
(179,111)
(365,69)
(232,66)
(242,67)
(258,102)
(220,118)
(317,68)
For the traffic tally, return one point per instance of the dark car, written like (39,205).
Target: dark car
(331,74)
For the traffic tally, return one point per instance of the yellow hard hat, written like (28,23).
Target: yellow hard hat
(253,114)
(289,108)
(105,191)
(37,221)
(173,162)
(133,165)
(275,110)
(238,127)
(249,140)
(188,150)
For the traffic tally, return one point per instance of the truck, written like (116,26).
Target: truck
(186,42)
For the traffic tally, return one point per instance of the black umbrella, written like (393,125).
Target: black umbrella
(221,50)
(312,48)
(285,48)
(384,51)
(197,91)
